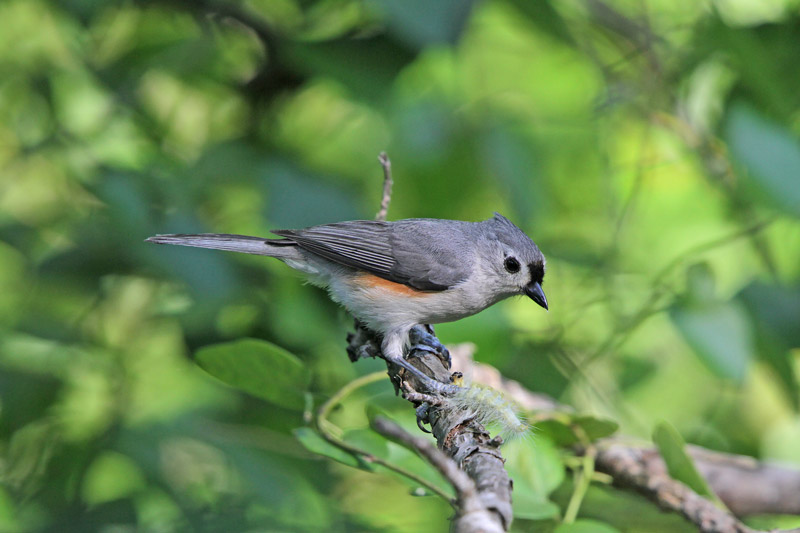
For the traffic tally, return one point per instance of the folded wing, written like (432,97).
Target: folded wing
(417,252)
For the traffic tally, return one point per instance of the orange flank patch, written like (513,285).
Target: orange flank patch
(375,282)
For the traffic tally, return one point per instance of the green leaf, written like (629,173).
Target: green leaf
(621,509)
(528,505)
(596,427)
(561,428)
(367,440)
(586,526)
(769,152)
(775,310)
(422,23)
(111,476)
(546,18)
(314,443)
(368,66)
(259,368)
(510,157)
(556,429)
(773,522)
(534,464)
(679,465)
(720,335)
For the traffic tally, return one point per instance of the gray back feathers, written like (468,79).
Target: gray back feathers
(423,253)
(426,254)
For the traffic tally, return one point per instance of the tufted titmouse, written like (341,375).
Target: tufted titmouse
(395,275)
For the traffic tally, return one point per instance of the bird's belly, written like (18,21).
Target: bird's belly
(385,305)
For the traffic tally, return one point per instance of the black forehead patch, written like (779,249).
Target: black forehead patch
(537,272)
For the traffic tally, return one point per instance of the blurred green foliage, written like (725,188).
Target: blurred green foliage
(650,148)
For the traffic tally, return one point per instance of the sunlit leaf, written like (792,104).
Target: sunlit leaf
(774,522)
(259,368)
(110,477)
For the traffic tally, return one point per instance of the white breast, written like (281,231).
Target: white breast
(385,306)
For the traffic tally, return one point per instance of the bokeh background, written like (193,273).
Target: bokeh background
(651,148)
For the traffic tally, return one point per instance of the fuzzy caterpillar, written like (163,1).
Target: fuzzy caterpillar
(490,408)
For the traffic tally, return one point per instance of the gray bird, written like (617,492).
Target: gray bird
(393,276)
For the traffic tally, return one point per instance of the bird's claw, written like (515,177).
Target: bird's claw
(423,339)
(422,417)
(422,348)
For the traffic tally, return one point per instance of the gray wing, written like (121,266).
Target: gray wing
(425,254)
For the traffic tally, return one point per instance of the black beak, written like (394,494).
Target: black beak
(534,290)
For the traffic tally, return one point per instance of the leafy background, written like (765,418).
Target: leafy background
(650,148)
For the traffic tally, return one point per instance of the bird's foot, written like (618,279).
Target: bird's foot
(422,417)
(427,382)
(423,338)
(424,403)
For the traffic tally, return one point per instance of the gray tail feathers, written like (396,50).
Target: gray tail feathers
(281,248)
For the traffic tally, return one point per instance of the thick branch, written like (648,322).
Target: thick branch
(746,486)
(629,469)
(457,434)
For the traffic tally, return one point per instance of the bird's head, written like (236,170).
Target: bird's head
(516,263)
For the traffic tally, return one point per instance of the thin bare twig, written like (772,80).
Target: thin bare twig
(387,186)
(464,486)
(327,429)
(473,514)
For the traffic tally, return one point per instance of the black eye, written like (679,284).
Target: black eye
(511,264)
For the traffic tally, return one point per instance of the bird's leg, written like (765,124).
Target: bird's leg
(428,382)
(392,349)
(423,338)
